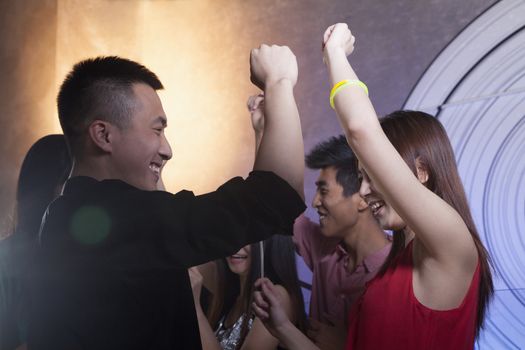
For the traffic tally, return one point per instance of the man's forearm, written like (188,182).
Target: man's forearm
(281,150)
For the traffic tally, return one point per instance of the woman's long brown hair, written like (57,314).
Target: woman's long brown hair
(417,135)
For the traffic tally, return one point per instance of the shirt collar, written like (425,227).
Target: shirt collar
(372,262)
(84,184)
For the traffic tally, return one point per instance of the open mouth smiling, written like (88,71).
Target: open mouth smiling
(155,168)
(238,256)
(376,206)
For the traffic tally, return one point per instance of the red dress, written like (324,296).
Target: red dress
(388,315)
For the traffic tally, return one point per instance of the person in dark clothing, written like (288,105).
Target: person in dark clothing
(112,262)
(44,170)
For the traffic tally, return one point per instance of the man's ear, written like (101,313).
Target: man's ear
(101,133)
(422,171)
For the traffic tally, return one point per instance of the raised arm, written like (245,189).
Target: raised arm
(274,70)
(437,225)
(306,234)
(255,106)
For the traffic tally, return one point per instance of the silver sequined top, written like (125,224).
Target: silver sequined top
(230,337)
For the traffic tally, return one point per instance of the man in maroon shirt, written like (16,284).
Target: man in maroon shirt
(346,249)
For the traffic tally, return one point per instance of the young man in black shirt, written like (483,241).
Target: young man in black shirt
(110,270)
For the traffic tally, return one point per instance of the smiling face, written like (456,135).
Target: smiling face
(239,263)
(386,215)
(141,148)
(337,213)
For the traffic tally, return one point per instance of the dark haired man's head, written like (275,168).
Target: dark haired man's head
(336,153)
(337,199)
(114,122)
(100,88)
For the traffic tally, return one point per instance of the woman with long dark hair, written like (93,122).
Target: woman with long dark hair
(43,173)
(434,290)
(230,323)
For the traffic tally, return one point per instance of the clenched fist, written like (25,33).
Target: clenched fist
(338,36)
(271,64)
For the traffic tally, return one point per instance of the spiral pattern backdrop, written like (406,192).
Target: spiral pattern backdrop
(476,87)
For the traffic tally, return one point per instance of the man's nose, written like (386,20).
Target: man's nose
(165,149)
(316,201)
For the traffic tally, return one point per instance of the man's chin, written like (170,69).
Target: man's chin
(151,188)
(325,232)
(144,186)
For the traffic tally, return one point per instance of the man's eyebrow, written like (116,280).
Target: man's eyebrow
(162,120)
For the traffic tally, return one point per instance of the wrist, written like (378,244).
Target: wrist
(286,328)
(274,82)
(332,53)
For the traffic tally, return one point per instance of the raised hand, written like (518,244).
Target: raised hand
(336,37)
(255,106)
(271,64)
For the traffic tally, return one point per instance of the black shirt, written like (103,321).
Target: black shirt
(13,255)
(111,268)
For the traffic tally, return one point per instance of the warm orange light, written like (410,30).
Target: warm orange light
(201,58)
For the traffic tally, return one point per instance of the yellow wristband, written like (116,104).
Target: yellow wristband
(341,85)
